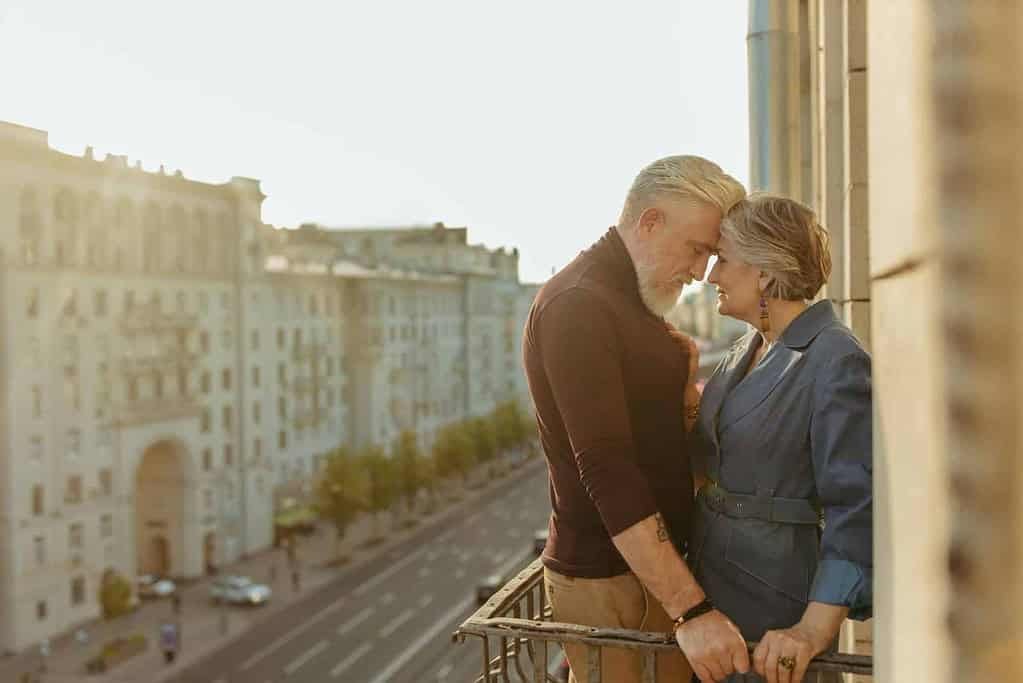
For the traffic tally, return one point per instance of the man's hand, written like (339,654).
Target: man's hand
(714,647)
(689,345)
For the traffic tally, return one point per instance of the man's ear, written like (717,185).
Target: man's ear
(649,221)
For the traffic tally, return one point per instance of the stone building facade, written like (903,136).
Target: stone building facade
(170,361)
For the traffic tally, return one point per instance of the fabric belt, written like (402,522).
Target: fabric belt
(741,506)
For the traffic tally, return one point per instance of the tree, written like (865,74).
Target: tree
(381,490)
(480,431)
(342,490)
(452,451)
(510,425)
(114,594)
(410,467)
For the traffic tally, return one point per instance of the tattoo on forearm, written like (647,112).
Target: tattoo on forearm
(662,530)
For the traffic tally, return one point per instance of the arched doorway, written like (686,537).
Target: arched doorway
(160,510)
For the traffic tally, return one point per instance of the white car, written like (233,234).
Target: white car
(154,588)
(239,590)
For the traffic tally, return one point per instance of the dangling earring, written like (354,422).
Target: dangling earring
(765,321)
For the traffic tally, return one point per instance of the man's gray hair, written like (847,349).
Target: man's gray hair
(685,177)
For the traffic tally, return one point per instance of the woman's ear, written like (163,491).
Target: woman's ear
(764,281)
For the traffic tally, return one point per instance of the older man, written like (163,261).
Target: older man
(610,387)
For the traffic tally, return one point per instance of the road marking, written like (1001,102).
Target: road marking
(286,638)
(442,673)
(355,621)
(345,663)
(500,557)
(302,659)
(424,572)
(387,599)
(387,573)
(396,622)
(444,622)
(425,600)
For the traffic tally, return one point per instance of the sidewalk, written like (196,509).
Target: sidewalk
(200,621)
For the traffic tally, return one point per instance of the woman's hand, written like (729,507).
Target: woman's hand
(782,656)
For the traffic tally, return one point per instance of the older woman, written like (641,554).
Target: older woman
(782,537)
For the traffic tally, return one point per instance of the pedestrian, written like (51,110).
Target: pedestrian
(176,603)
(81,637)
(44,654)
(169,641)
(296,579)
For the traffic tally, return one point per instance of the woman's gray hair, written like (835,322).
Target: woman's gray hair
(686,177)
(784,239)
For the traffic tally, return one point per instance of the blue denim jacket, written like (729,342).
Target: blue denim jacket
(797,426)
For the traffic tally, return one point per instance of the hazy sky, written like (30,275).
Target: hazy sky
(525,121)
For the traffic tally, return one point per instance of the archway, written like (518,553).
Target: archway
(160,510)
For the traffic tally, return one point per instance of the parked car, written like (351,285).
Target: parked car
(238,590)
(540,541)
(151,587)
(487,587)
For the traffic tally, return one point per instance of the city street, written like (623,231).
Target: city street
(391,619)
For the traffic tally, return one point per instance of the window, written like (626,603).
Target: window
(254,340)
(73,494)
(205,382)
(32,306)
(38,507)
(106,482)
(280,338)
(106,526)
(207,459)
(75,539)
(228,418)
(129,301)
(228,339)
(257,448)
(99,303)
(207,499)
(39,550)
(282,407)
(204,341)
(225,301)
(37,447)
(37,401)
(204,423)
(257,411)
(204,302)
(182,303)
(255,376)
(330,365)
(77,591)
(282,373)
(296,338)
(41,610)
(282,439)
(228,455)
(225,379)
(182,382)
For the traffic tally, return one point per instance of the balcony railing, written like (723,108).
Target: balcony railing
(516,633)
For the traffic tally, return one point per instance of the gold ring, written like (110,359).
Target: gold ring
(788,662)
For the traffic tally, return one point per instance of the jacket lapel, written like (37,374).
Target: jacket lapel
(751,391)
(722,383)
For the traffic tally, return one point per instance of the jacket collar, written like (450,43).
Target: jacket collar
(808,325)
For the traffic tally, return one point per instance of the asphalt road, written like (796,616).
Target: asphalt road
(392,618)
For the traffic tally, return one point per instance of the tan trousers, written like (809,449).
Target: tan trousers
(618,602)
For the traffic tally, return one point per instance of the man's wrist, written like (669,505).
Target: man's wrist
(683,601)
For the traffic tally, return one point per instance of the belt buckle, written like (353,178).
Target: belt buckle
(715,496)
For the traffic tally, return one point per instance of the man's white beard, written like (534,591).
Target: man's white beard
(658,301)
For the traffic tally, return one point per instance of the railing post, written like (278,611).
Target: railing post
(593,664)
(650,666)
